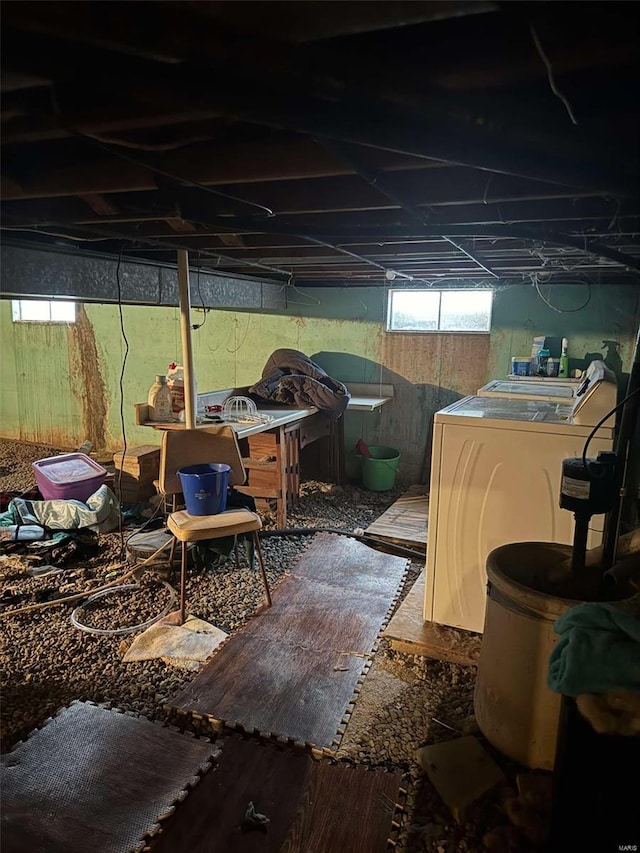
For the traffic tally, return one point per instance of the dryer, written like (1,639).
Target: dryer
(495,478)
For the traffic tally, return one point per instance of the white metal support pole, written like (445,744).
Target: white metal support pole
(185,333)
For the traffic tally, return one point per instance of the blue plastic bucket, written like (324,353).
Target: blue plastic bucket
(205,487)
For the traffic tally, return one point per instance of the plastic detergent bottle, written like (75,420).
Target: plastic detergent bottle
(175,381)
(563,370)
(542,359)
(159,400)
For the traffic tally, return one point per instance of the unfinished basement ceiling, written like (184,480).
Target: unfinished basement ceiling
(338,143)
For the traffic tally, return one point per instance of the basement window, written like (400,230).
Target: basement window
(43,311)
(439,311)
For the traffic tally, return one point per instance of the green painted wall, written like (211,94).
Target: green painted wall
(613,312)
(43,385)
(39,399)
(46,372)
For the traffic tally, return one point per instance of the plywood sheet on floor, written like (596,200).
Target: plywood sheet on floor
(405,522)
(410,633)
(313,807)
(94,779)
(293,669)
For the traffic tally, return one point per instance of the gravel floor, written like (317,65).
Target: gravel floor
(406,702)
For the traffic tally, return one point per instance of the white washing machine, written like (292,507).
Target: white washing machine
(545,393)
(495,479)
(548,380)
(550,391)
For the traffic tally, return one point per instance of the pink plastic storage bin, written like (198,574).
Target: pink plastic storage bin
(72,476)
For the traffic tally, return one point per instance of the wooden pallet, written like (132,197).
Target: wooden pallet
(405,522)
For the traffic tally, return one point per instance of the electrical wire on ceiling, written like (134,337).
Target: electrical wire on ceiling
(486,189)
(112,149)
(555,264)
(614,218)
(375,180)
(142,146)
(362,258)
(37,230)
(550,77)
(536,284)
(291,284)
(442,283)
(170,244)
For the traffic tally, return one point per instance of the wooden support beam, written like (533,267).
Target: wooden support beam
(185,335)
(311,23)
(539,233)
(196,206)
(10,188)
(181,226)
(14,81)
(99,120)
(284,158)
(99,204)
(232,240)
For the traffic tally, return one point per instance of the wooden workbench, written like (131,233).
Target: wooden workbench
(271,450)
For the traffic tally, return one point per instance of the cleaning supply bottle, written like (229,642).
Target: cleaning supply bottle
(542,359)
(159,400)
(175,381)
(563,371)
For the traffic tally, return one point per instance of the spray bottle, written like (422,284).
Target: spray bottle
(612,359)
(563,371)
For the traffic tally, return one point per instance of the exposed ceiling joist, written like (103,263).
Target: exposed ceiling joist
(427,130)
(461,159)
(272,159)
(380,183)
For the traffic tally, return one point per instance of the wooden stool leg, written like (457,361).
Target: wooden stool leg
(235,548)
(256,542)
(183,583)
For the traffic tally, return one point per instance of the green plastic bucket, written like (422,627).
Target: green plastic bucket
(379,470)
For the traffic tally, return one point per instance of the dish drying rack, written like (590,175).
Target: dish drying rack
(242,410)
